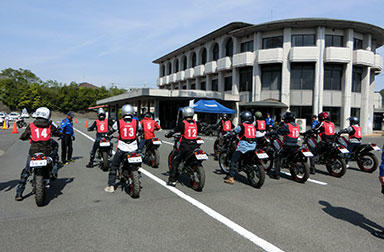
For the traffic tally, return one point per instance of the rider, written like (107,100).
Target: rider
(187,143)
(269,122)
(128,129)
(355,133)
(102,125)
(224,125)
(315,122)
(291,132)
(149,126)
(260,126)
(247,134)
(39,133)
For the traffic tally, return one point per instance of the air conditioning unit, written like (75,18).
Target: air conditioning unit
(302,124)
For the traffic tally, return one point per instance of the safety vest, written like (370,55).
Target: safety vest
(294,132)
(127,130)
(261,125)
(227,125)
(40,134)
(190,130)
(358,134)
(149,128)
(249,131)
(329,129)
(102,126)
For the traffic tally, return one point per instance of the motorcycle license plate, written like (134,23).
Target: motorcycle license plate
(134,160)
(200,141)
(105,144)
(376,148)
(201,157)
(344,151)
(307,154)
(156,142)
(262,155)
(37,163)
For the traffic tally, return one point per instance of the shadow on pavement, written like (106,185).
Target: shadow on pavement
(56,188)
(9,185)
(76,158)
(350,216)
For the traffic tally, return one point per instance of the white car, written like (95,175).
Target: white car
(13,116)
(3,116)
(24,113)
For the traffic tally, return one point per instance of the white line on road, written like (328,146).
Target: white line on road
(217,216)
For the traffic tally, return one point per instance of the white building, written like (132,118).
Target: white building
(305,65)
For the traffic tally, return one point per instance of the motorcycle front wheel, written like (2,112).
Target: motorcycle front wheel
(224,163)
(336,167)
(299,171)
(367,162)
(256,176)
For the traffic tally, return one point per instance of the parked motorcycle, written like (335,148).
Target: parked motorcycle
(250,162)
(40,165)
(363,154)
(152,154)
(192,165)
(207,129)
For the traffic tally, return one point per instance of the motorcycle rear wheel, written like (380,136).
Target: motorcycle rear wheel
(135,185)
(336,167)
(256,176)
(200,173)
(170,156)
(224,163)
(39,190)
(364,159)
(105,163)
(299,172)
(156,158)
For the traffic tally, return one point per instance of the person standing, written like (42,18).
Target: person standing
(269,122)
(67,138)
(315,122)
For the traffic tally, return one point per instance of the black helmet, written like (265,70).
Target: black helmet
(288,117)
(225,116)
(246,117)
(148,115)
(314,116)
(353,120)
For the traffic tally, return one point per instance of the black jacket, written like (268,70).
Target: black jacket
(43,147)
(180,128)
(93,126)
(284,131)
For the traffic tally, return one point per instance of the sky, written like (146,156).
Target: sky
(114,42)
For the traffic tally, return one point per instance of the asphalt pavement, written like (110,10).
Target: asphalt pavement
(325,214)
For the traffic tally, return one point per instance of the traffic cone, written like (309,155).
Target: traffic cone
(14,130)
(75,120)
(5,126)
(86,124)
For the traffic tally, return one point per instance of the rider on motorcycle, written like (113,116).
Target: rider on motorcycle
(39,133)
(149,126)
(223,126)
(247,133)
(187,143)
(128,129)
(291,132)
(325,129)
(102,125)
(355,133)
(260,126)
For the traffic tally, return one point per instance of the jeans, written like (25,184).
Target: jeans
(94,148)
(142,144)
(234,163)
(116,161)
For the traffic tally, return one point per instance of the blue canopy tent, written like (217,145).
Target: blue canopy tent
(211,106)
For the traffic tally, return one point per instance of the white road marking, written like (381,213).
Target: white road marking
(217,216)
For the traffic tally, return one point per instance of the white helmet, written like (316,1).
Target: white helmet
(188,112)
(100,111)
(127,110)
(43,112)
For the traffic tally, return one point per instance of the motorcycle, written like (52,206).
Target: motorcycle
(104,152)
(21,123)
(129,174)
(207,129)
(363,155)
(40,165)
(250,163)
(332,155)
(192,164)
(296,161)
(152,154)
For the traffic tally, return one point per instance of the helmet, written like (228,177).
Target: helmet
(246,116)
(101,113)
(288,117)
(225,116)
(43,113)
(188,112)
(354,120)
(323,116)
(148,115)
(258,115)
(127,110)
(70,114)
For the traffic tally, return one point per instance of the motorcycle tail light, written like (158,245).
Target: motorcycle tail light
(373,145)
(155,139)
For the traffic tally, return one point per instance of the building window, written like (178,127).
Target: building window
(333,74)
(357,44)
(184,86)
(355,112)
(193,86)
(193,59)
(271,77)
(273,42)
(176,66)
(246,46)
(228,83)
(169,68)
(229,48)
(334,114)
(303,112)
(303,40)
(357,77)
(334,40)
(203,86)
(246,74)
(162,70)
(184,63)
(215,85)
(302,76)
(176,87)
(204,56)
(215,52)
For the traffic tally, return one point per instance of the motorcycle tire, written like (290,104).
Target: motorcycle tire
(224,163)
(170,156)
(135,185)
(362,164)
(338,172)
(156,159)
(198,186)
(299,172)
(105,163)
(268,163)
(39,190)
(256,177)
(215,147)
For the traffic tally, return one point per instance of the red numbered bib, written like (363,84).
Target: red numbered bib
(40,134)
(261,125)
(249,130)
(294,131)
(190,130)
(227,125)
(127,129)
(358,133)
(149,128)
(329,128)
(102,126)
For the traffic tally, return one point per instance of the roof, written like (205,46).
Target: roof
(265,103)
(376,31)
(210,36)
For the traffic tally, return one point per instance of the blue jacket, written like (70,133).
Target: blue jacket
(269,121)
(66,127)
(244,146)
(382,164)
(314,124)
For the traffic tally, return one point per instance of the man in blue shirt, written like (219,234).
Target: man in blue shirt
(315,122)
(66,128)
(269,121)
